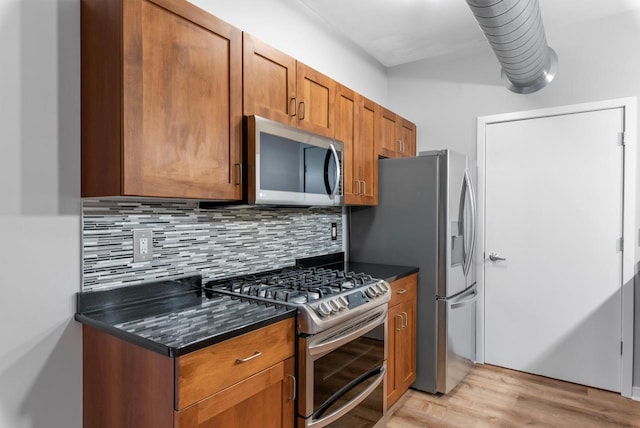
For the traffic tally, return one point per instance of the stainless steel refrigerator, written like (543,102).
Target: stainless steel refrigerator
(426,217)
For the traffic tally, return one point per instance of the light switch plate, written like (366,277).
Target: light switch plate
(142,245)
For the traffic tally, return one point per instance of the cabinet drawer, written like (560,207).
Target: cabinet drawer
(403,289)
(209,370)
(264,399)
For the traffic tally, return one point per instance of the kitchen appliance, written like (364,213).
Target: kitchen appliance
(289,166)
(341,334)
(426,218)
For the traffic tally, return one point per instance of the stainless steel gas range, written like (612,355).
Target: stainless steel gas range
(341,330)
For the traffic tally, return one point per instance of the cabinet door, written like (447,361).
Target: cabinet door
(365,150)
(266,399)
(406,346)
(345,131)
(407,135)
(182,72)
(402,350)
(316,97)
(388,145)
(269,81)
(401,360)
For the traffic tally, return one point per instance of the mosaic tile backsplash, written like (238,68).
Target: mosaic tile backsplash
(214,243)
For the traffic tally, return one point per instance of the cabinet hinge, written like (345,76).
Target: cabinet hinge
(621,347)
(622,138)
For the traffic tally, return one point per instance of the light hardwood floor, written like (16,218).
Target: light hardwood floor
(496,397)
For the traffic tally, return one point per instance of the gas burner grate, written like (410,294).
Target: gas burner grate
(294,285)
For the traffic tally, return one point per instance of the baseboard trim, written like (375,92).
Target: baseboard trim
(635,393)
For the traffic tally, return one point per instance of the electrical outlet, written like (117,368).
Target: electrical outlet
(334,231)
(142,245)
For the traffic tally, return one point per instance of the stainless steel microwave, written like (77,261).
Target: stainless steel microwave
(289,166)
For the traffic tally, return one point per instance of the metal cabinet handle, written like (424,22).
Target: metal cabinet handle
(304,110)
(399,145)
(364,188)
(239,176)
(405,320)
(494,257)
(293,111)
(244,360)
(404,290)
(396,321)
(295,387)
(357,187)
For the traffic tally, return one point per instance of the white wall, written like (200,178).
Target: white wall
(291,27)
(40,358)
(445,95)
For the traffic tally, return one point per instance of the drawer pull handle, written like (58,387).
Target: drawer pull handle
(244,360)
(404,290)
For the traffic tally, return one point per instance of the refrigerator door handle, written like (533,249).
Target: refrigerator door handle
(469,188)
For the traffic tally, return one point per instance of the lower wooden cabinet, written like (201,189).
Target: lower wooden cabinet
(263,400)
(247,381)
(401,358)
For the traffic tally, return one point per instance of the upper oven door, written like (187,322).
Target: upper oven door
(342,372)
(292,167)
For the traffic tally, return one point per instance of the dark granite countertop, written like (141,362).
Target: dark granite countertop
(389,273)
(174,317)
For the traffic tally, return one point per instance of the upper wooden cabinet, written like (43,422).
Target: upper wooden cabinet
(278,87)
(397,136)
(269,81)
(161,101)
(356,126)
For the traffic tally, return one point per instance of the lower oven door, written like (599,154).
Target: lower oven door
(342,373)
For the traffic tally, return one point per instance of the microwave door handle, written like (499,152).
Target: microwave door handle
(337,161)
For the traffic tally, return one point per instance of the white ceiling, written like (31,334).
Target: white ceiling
(400,31)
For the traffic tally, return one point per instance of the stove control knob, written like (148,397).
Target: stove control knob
(378,288)
(384,286)
(335,305)
(343,300)
(371,292)
(324,309)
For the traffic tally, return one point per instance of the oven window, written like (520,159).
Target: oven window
(357,365)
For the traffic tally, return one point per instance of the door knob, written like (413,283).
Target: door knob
(494,257)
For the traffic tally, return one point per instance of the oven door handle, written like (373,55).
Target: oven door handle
(323,347)
(326,420)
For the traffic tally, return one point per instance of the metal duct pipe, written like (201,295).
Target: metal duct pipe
(515,32)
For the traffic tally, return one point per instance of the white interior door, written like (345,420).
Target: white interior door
(553,210)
